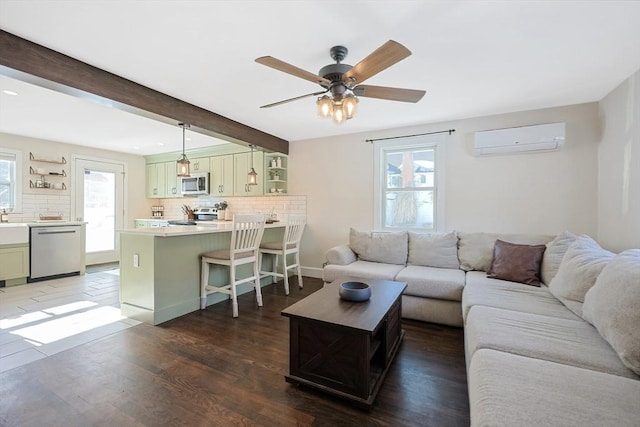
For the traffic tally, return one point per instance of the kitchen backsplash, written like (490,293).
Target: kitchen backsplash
(34,205)
(282,205)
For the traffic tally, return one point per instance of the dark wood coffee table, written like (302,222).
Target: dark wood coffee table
(345,348)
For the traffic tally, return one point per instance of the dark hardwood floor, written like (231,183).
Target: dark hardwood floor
(208,369)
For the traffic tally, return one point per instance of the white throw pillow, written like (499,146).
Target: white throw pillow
(433,250)
(612,305)
(579,269)
(553,255)
(389,248)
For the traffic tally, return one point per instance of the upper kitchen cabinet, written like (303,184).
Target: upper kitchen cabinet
(199,164)
(221,176)
(276,176)
(242,165)
(156,180)
(172,188)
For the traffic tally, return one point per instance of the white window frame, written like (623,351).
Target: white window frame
(17,184)
(427,142)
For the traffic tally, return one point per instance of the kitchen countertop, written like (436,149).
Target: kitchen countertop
(53,223)
(186,230)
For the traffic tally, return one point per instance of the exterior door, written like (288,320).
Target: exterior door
(99,201)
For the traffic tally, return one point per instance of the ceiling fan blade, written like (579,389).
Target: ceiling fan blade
(279,65)
(390,93)
(380,59)
(293,99)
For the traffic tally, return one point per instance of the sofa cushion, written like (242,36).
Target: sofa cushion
(511,390)
(431,282)
(579,269)
(481,290)
(366,269)
(432,310)
(516,263)
(475,250)
(390,248)
(537,336)
(612,305)
(553,255)
(433,250)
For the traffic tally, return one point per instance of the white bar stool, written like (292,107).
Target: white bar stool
(246,235)
(290,244)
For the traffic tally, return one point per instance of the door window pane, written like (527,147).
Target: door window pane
(100,210)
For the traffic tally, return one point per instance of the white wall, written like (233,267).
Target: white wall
(37,201)
(619,167)
(526,193)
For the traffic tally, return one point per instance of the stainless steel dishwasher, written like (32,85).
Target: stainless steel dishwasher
(55,250)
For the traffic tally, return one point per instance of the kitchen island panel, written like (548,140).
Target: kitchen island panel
(166,284)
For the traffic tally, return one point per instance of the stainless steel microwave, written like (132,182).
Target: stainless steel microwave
(197,183)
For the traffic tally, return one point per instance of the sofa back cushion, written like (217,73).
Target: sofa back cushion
(516,263)
(433,250)
(553,255)
(579,269)
(390,248)
(475,250)
(612,306)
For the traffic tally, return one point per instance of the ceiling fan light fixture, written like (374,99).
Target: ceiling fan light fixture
(339,115)
(325,106)
(182,164)
(350,105)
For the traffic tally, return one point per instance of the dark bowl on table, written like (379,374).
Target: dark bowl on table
(355,291)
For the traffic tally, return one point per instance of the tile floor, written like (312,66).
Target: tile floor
(44,318)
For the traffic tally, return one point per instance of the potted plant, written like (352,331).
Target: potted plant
(274,174)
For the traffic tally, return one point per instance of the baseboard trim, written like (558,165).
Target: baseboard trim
(312,272)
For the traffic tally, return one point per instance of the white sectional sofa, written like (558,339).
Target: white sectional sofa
(552,323)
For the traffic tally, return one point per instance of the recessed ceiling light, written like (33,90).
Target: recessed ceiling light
(161,144)
(188,139)
(10,92)
(135,147)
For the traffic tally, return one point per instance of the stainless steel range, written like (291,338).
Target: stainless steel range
(205,214)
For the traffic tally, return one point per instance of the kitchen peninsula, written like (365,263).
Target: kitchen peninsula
(160,268)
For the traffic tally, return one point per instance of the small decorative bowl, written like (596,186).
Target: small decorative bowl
(355,291)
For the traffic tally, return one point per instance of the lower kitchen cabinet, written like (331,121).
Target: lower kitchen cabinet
(14,261)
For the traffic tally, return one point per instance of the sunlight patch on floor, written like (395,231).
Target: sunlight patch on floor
(64,327)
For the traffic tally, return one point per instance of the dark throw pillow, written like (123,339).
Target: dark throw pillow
(516,263)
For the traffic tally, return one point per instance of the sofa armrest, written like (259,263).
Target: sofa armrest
(340,255)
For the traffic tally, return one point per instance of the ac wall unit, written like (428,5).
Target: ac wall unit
(524,139)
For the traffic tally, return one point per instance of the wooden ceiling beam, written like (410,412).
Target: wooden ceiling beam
(91,82)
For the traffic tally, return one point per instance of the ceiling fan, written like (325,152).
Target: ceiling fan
(342,83)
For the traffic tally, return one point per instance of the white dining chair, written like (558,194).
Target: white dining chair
(246,234)
(290,244)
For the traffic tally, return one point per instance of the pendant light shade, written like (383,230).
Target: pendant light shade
(182,164)
(252,176)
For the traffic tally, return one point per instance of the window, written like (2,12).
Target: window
(10,174)
(410,187)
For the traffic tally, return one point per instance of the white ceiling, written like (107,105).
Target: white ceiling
(473,58)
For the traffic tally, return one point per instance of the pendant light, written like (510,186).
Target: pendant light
(252,176)
(182,164)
